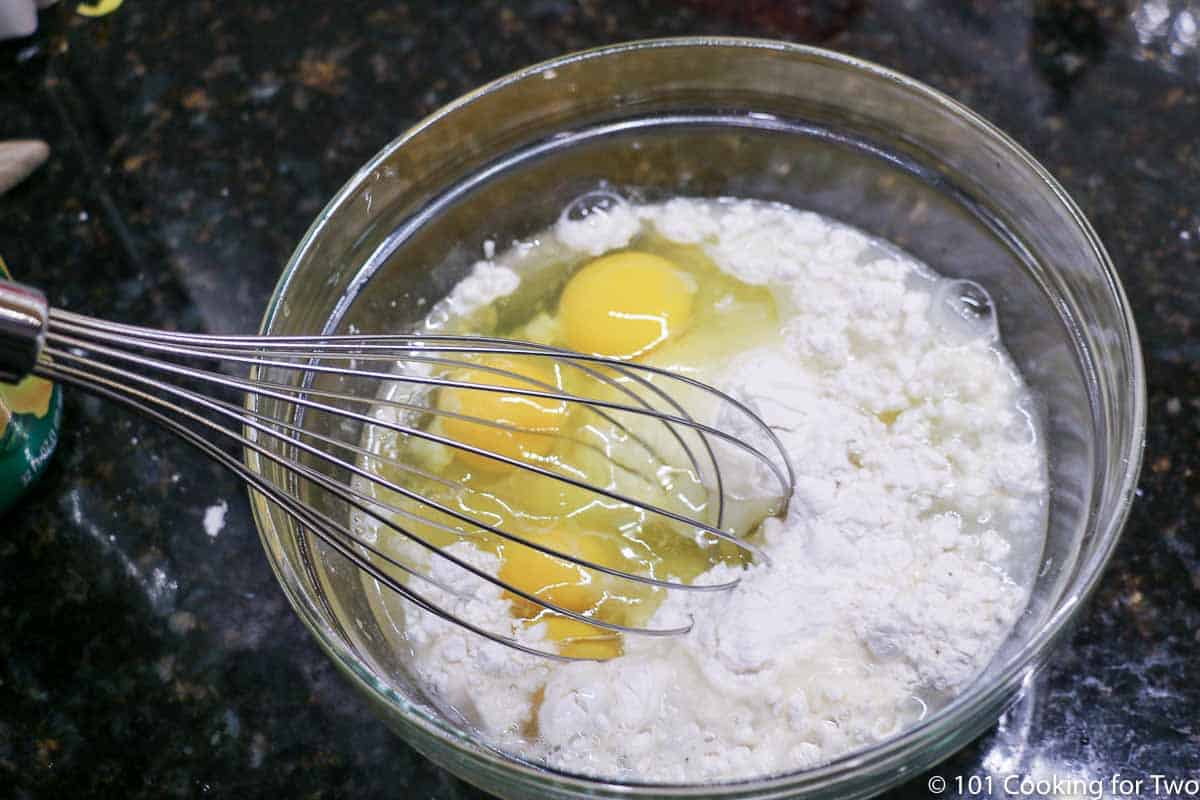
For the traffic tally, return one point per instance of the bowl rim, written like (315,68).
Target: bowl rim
(957,713)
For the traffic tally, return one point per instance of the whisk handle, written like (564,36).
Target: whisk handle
(23,315)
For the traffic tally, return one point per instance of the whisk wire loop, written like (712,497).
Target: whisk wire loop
(303,439)
(256,388)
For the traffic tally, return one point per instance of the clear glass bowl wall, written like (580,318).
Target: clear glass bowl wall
(711,117)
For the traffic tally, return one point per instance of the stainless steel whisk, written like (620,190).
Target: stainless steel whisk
(310,434)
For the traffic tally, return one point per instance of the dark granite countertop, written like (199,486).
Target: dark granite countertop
(194,141)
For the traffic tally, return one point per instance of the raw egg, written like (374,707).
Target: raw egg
(551,579)
(529,424)
(626,304)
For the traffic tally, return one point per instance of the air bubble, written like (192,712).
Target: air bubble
(965,308)
(587,204)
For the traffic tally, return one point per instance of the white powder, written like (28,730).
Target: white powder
(483,285)
(599,229)
(460,655)
(214,518)
(920,488)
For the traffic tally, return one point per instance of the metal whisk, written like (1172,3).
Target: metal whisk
(309,406)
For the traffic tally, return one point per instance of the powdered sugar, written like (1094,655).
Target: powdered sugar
(920,492)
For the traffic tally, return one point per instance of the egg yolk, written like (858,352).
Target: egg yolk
(577,639)
(555,580)
(532,422)
(626,304)
(566,585)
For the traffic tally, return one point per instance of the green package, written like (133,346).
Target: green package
(30,413)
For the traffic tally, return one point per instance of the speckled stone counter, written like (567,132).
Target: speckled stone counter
(145,655)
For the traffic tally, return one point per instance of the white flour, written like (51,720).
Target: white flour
(920,489)
(486,282)
(214,518)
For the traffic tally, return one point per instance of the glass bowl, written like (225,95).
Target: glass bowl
(746,118)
